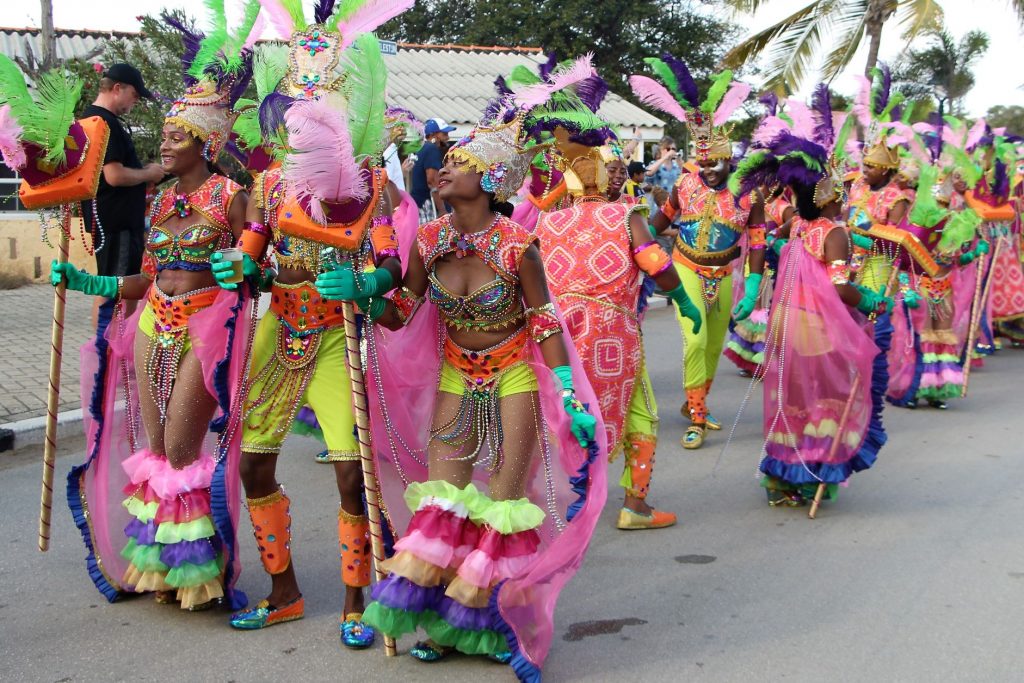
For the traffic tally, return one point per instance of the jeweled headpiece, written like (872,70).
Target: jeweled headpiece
(678,96)
(205,112)
(877,109)
(499,154)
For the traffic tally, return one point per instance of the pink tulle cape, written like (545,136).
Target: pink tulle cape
(219,336)
(403,369)
(820,378)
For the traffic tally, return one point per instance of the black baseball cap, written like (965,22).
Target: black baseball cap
(129,75)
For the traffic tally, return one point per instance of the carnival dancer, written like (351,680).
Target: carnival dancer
(171,359)
(824,375)
(596,254)
(711,221)
(326,214)
(484,429)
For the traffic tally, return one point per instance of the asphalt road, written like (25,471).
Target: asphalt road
(916,573)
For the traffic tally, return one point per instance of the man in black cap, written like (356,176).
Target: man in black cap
(119,211)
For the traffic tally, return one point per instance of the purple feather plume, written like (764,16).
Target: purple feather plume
(592,138)
(786,143)
(1000,181)
(880,93)
(190,40)
(687,86)
(501,86)
(240,81)
(272,111)
(323,10)
(592,92)
(821,104)
(771,101)
(545,69)
(763,175)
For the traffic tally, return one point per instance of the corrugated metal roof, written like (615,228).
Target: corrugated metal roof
(446,82)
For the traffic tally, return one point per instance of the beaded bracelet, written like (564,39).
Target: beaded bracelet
(406,303)
(543,322)
(838,272)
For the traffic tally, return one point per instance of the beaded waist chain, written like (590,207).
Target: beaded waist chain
(301,308)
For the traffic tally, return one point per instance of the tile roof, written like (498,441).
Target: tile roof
(445,81)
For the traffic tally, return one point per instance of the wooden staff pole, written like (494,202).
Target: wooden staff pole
(53,397)
(979,306)
(836,442)
(355,373)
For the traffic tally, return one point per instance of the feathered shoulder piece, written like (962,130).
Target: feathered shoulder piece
(675,93)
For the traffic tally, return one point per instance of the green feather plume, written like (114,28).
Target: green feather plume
(839,148)
(365,81)
(215,39)
(668,79)
(236,40)
(269,67)
(294,9)
(749,163)
(521,76)
(970,171)
(13,89)
(247,125)
(894,99)
(46,114)
(807,160)
(343,10)
(719,86)
(959,229)
(926,212)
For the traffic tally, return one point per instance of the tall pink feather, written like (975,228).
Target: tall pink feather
(768,130)
(733,99)
(368,17)
(923,128)
(862,102)
(953,136)
(975,134)
(278,17)
(803,118)
(897,132)
(1000,131)
(257,30)
(11,149)
(565,77)
(321,164)
(654,94)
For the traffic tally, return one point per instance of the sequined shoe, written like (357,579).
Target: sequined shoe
(693,438)
(323,457)
(354,633)
(164,597)
(658,519)
(427,652)
(938,405)
(503,658)
(713,424)
(263,615)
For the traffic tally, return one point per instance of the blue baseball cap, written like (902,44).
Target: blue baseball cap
(437,126)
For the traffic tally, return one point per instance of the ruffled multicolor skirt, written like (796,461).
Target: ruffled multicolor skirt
(459,545)
(172,544)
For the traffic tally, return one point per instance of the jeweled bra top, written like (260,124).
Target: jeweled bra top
(192,248)
(710,223)
(497,304)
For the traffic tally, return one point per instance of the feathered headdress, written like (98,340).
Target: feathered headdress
(806,153)
(218,68)
(873,107)
(677,95)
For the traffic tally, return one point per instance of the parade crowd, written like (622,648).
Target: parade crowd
(471,353)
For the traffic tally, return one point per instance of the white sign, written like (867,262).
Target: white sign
(388,47)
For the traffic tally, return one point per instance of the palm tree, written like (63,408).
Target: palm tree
(793,42)
(943,69)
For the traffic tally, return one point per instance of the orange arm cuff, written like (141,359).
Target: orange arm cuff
(651,258)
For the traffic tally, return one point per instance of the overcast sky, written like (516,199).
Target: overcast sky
(999,76)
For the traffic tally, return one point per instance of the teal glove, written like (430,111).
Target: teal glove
(372,308)
(80,281)
(583,423)
(981,249)
(686,307)
(872,302)
(777,244)
(222,269)
(862,241)
(347,285)
(746,306)
(912,299)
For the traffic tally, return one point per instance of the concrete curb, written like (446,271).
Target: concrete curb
(32,431)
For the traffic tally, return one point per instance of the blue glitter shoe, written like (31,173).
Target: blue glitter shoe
(503,658)
(323,457)
(354,633)
(426,652)
(263,615)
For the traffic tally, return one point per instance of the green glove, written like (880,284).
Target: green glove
(912,299)
(746,306)
(686,307)
(872,302)
(222,269)
(862,241)
(347,285)
(977,252)
(583,423)
(81,281)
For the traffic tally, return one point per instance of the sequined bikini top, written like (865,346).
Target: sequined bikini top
(813,234)
(710,223)
(192,248)
(497,304)
(868,207)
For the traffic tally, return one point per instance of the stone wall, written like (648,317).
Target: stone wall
(22,251)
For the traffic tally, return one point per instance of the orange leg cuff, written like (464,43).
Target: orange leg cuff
(354,549)
(272,526)
(696,399)
(640,461)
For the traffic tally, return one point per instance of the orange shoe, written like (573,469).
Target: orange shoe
(658,519)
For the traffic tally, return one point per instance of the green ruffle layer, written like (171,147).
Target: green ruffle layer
(144,512)
(145,558)
(504,516)
(398,622)
(187,574)
(940,393)
(170,533)
(756,358)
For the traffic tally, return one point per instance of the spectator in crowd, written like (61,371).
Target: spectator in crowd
(429,161)
(665,169)
(117,217)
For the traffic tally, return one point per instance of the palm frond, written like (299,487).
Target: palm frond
(848,26)
(756,44)
(791,55)
(919,16)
